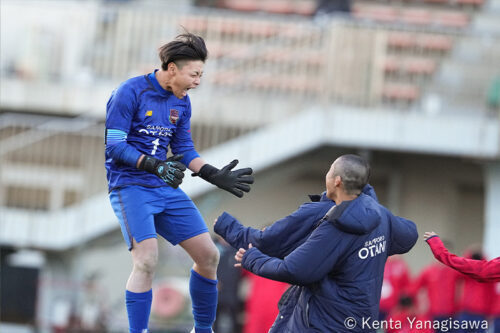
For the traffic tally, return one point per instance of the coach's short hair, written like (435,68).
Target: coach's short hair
(354,172)
(186,46)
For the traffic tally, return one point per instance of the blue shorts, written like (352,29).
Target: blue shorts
(144,212)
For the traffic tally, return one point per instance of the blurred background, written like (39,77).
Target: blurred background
(412,85)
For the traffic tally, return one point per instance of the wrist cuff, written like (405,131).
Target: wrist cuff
(427,240)
(206,171)
(148,164)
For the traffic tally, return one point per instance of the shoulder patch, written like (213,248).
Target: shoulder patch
(174,116)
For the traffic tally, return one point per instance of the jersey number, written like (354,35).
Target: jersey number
(156,143)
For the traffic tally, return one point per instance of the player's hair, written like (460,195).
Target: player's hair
(186,46)
(354,172)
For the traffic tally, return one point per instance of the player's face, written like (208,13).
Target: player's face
(330,183)
(186,76)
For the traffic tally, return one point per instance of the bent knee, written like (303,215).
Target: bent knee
(146,264)
(210,260)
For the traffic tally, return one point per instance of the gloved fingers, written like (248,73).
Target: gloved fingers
(179,166)
(176,157)
(243,187)
(236,192)
(243,172)
(174,184)
(230,166)
(174,181)
(245,179)
(177,174)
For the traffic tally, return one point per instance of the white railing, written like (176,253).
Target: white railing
(351,127)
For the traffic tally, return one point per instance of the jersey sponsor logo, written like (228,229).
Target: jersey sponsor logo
(372,248)
(156,130)
(149,113)
(174,116)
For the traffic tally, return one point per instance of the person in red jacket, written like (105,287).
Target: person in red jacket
(395,283)
(261,306)
(476,293)
(404,318)
(475,303)
(439,282)
(481,270)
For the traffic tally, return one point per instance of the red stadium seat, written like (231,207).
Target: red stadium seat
(420,66)
(401,40)
(442,2)
(376,13)
(400,92)
(392,65)
(226,78)
(451,19)
(410,65)
(276,6)
(434,42)
(230,27)
(261,28)
(241,5)
(416,16)
(194,24)
(304,7)
(470,2)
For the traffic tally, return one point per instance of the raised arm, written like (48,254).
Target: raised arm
(280,238)
(404,234)
(481,270)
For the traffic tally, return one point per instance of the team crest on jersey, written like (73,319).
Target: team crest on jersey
(174,116)
(149,113)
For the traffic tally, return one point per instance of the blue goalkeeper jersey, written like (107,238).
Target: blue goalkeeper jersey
(149,118)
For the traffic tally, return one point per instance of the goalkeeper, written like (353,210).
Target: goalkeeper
(145,115)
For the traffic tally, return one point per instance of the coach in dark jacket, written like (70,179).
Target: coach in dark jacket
(284,235)
(338,270)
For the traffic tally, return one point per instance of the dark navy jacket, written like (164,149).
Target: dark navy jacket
(337,269)
(284,235)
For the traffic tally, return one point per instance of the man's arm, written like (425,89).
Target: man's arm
(196,164)
(404,234)
(481,270)
(278,239)
(307,264)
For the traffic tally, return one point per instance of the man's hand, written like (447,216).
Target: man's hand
(170,171)
(239,255)
(428,235)
(235,182)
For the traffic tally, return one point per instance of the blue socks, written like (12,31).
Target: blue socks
(138,309)
(204,298)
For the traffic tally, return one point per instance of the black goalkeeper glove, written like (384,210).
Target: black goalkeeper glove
(170,171)
(235,182)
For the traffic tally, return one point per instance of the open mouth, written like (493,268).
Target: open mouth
(185,91)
